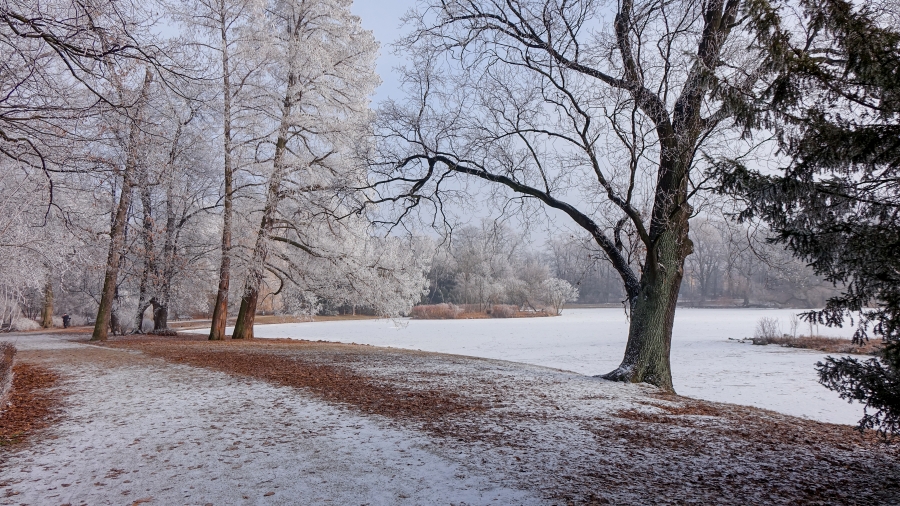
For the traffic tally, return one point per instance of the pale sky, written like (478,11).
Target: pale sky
(383,18)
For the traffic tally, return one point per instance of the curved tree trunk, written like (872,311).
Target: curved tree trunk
(243,328)
(652,316)
(117,231)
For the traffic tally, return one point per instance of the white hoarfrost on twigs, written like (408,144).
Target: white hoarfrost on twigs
(558,292)
(313,241)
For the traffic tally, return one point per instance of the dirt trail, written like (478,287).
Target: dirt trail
(288,422)
(139,429)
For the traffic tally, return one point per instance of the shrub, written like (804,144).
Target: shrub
(503,311)
(24,324)
(768,330)
(435,312)
(7,357)
(163,332)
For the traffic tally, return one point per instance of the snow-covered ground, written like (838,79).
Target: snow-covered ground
(705,363)
(140,430)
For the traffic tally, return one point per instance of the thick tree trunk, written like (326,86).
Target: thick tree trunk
(47,313)
(243,328)
(650,330)
(117,231)
(653,306)
(160,315)
(161,318)
(220,310)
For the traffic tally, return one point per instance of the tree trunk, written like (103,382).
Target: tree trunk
(653,306)
(117,239)
(650,330)
(160,315)
(220,310)
(47,313)
(243,328)
(117,232)
(164,293)
(149,261)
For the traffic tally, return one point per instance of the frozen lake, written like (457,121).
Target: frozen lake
(705,364)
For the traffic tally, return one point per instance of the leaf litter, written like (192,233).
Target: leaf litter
(512,432)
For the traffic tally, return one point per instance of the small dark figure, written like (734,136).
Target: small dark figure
(66,320)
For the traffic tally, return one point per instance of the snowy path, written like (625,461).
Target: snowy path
(705,364)
(137,428)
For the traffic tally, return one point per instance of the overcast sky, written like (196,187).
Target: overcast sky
(383,18)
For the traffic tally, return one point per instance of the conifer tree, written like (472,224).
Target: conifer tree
(832,97)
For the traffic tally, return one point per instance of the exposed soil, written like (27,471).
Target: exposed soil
(575,439)
(33,405)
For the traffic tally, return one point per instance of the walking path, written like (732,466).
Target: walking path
(138,429)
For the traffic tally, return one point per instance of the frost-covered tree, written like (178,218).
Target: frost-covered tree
(313,113)
(225,33)
(177,186)
(558,292)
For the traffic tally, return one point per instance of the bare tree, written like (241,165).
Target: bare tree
(221,28)
(602,123)
(704,262)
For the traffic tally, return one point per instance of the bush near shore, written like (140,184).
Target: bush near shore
(768,331)
(821,343)
(470,311)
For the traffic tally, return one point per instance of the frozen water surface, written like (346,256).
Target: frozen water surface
(705,364)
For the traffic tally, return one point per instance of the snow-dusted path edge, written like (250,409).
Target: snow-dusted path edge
(140,429)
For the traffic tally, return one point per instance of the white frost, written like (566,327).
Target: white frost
(705,364)
(173,434)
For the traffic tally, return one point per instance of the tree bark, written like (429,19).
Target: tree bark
(160,317)
(173,226)
(243,328)
(149,261)
(653,314)
(220,310)
(47,313)
(117,231)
